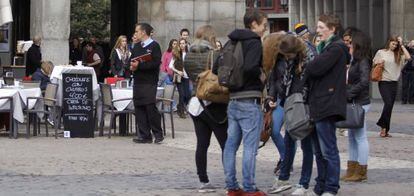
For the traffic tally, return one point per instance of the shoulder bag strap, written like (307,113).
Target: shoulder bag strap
(210,115)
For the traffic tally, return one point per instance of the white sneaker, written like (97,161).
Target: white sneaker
(279,186)
(206,188)
(328,194)
(299,190)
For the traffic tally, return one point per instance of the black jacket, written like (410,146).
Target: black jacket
(277,90)
(119,68)
(252,50)
(326,75)
(33,59)
(358,82)
(146,75)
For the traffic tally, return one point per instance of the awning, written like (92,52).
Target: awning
(5,12)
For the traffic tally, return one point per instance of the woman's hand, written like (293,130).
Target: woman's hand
(272,104)
(400,40)
(180,73)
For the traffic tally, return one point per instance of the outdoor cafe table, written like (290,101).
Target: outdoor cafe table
(124,93)
(19,95)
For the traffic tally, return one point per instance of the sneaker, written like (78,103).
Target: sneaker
(234,192)
(280,186)
(312,193)
(299,190)
(206,188)
(50,121)
(328,194)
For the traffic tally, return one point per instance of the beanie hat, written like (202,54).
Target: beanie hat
(301,29)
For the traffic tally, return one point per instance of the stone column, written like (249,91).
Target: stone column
(304,11)
(318,8)
(328,7)
(338,9)
(350,13)
(311,13)
(294,13)
(51,21)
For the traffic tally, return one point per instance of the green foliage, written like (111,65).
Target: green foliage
(90,17)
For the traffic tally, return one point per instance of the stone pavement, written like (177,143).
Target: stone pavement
(117,166)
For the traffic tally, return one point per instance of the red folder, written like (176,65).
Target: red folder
(113,80)
(143,58)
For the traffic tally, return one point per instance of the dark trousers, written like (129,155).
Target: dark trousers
(183,93)
(388,91)
(204,127)
(307,162)
(327,157)
(148,118)
(407,86)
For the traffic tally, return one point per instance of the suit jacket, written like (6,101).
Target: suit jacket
(146,75)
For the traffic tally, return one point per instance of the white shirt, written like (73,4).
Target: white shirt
(171,66)
(146,42)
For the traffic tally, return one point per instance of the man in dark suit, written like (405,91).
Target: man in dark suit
(33,56)
(145,85)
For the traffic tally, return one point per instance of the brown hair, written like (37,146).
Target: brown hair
(252,15)
(207,32)
(271,50)
(331,21)
(398,50)
(290,44)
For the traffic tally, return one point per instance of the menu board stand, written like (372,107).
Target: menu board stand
(78,105)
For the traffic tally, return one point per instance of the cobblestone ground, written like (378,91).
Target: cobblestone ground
(117,166)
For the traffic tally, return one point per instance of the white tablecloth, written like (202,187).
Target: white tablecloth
(123,93)
(56,77)
(19,100)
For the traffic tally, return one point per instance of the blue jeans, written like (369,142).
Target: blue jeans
(358,142)
(245,120)
(277,117)
(327,157)
(307,162)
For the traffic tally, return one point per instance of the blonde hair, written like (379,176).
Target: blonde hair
(207,32)
(118,44)
(47,67)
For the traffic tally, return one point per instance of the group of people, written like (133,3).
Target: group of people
(333,72)
(330,70)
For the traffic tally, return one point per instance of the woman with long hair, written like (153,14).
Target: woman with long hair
(120,57)
(358,93)
(286,78)
(393,56)
(208,117)
(166,74)
(180,76)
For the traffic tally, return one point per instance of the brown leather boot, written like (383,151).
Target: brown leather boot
(359,175)
(350,170)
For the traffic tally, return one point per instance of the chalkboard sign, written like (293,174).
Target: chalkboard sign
(78,105)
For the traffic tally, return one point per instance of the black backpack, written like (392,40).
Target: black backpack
(230,65)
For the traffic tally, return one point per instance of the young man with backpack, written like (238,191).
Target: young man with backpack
(243,76)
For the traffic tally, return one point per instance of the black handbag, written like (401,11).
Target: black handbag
(355,116)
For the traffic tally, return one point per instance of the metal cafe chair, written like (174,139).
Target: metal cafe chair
(49,108)
(166,107)
(108,107)
(12,132)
